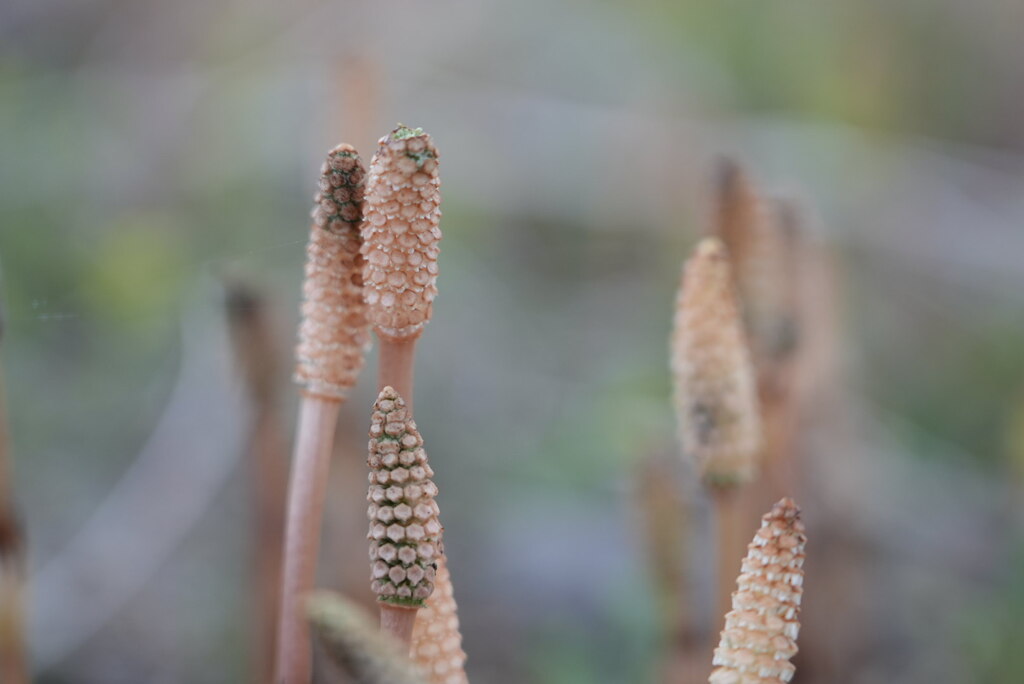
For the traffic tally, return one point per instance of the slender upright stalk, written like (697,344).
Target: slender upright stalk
(398,621)
(731,540)
(396,359)
(258,352)
(333,337)
(779,279)
(358,78)
(13,660)
(669,542)
(306,491)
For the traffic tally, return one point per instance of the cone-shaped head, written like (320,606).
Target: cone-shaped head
(405,531)
(334,333)
(760,632)
(715,393)
(401,233)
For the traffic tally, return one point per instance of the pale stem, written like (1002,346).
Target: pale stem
(396,366)
(313,446)
(398,621)
(731,539)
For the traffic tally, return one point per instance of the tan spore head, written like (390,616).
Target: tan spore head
(401,233)
(760,632)
(715,392)
(334,333)
(436,638)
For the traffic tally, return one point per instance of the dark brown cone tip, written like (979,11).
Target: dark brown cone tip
(335,331)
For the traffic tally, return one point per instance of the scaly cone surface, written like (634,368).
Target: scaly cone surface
(334,333)
(715,393)
(761,629)
(405,532)
(401,233)
(436,639)
(354,642)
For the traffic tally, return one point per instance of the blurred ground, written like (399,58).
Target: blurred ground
(151,149)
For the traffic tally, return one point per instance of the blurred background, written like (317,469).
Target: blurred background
(158,165)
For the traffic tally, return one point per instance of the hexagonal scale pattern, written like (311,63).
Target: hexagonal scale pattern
(404,531)
(334,333)
(401,233)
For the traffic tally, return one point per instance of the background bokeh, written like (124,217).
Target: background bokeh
(152,151)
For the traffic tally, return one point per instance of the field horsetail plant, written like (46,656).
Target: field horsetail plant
(405,532)
(372,262)
(401,237)
(715,395)
(335,333)
(333,337)
(400,244)
(409,572)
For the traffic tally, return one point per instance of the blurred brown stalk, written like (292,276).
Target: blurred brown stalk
(762,237)
(667,524)
(13,659)
(716,398)
(259,355)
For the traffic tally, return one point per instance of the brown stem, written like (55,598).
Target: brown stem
(780,431)
(358,82)
(256,348)
(269,466)
(306,490)
(731,545)
(13,660)
(398,622)
(396,365)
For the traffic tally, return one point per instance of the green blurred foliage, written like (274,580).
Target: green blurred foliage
(994,631)
(909,67)
(135,269)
